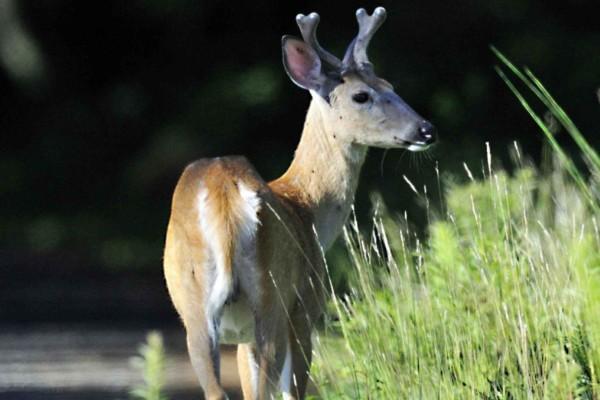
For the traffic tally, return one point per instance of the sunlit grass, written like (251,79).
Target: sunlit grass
(502,302)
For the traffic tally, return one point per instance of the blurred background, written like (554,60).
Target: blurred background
(103,103)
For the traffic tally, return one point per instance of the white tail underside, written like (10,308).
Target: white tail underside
(238,320)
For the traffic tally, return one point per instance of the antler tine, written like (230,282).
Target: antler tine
(367,26)
(308,27)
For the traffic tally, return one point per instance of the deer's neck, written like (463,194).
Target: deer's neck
(324,174)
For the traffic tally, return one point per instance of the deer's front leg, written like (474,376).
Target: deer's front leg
(271,347)
(300,346)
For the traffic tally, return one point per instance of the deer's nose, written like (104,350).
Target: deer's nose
(428,132)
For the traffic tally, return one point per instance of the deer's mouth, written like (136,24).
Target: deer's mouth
(413,146)
(418,146)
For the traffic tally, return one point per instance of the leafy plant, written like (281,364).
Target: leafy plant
(151,361)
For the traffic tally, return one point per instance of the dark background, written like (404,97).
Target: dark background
(104,102)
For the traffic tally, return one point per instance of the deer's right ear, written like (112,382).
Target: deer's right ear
(301,63)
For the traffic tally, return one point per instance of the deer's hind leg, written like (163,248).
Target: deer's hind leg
(182,268)
(203,348)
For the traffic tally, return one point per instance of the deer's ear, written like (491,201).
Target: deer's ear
(301,63)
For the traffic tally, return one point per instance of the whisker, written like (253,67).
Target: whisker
(397,167)
(415,160)
(382,161)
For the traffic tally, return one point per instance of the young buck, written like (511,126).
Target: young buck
(243,257)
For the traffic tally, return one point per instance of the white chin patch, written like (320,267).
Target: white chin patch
(417,147)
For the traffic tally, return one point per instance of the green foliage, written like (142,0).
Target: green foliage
(151,361)
(503,303)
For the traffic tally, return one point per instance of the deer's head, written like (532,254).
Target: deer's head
(362,105)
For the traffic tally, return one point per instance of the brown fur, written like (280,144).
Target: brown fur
(287,257)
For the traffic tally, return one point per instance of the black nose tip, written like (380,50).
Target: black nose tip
(428,132)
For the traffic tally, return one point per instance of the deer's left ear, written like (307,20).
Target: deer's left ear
(302,63)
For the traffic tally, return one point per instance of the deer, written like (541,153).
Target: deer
(243,258)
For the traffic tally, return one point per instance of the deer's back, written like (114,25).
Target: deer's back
(234,239)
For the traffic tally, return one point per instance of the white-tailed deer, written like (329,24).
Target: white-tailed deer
(243,257)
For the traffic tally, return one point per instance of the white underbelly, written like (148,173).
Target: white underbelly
(237,323)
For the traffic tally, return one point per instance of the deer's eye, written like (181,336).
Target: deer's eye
(361,97)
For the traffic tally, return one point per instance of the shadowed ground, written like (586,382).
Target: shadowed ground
(88,363)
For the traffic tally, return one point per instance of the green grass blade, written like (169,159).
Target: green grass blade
(537,88)
(565,121)
(563,157)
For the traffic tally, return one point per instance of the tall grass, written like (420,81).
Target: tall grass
(502,302)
